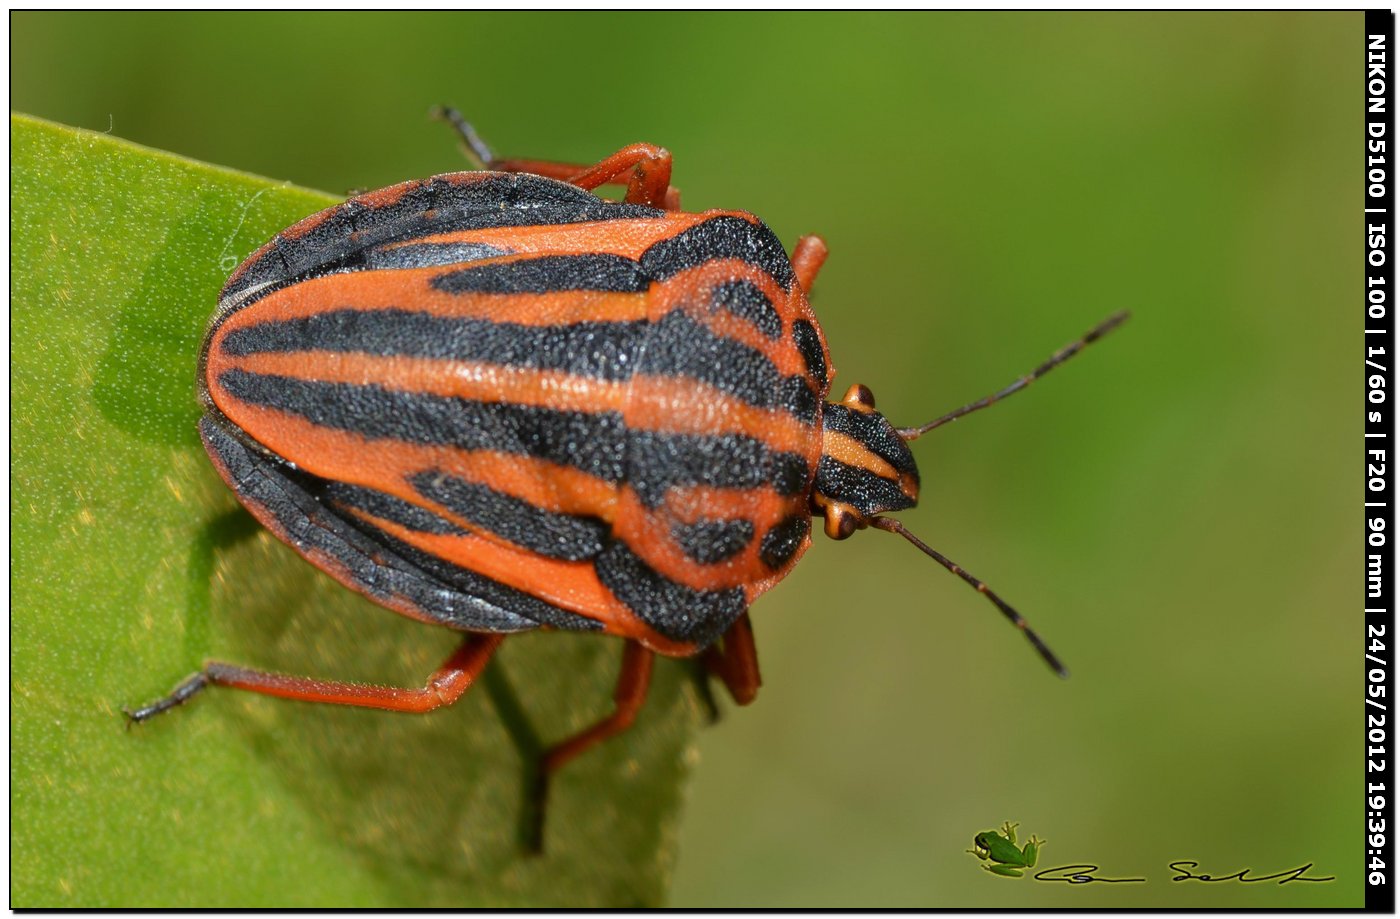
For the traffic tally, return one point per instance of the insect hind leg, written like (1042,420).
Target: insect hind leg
(446,685)
(644,168)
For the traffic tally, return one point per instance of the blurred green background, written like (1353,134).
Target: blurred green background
(1175,511)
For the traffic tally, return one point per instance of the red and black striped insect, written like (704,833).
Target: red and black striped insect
(497,402)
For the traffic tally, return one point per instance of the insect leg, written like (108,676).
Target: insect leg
(445,686)
(649,182)
(479,153)
(632,684)
(644,168)
(547,168)
(736,664)
(807,258)
(650,175)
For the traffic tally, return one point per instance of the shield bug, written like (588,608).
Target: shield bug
(495,401)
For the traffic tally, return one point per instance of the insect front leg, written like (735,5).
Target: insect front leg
(807,258)
(445,686)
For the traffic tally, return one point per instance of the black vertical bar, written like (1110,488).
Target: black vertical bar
(1379,357)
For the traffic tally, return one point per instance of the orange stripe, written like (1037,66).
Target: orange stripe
(572,586)
(410,289)
(465,380)
(847,449)
(628,238)
(683,406)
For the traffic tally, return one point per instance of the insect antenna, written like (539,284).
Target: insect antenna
(889,524)
(1056,359)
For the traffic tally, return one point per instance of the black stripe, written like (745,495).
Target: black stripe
(387,507)
(657,462)
(809,345)
(711,541)
(502,200)
(597,443)
(677,345)
(674,345)
(547,273)
(590,442)
(429,255)
(867,492)
(332,236)
(716,238)
(789,473)
(745,300)
(487,589)
(428,207)
(799,399)
(678,612)
(550,534)
(603,350)
(781,543)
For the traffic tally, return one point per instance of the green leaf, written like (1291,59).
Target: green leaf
(132,563)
